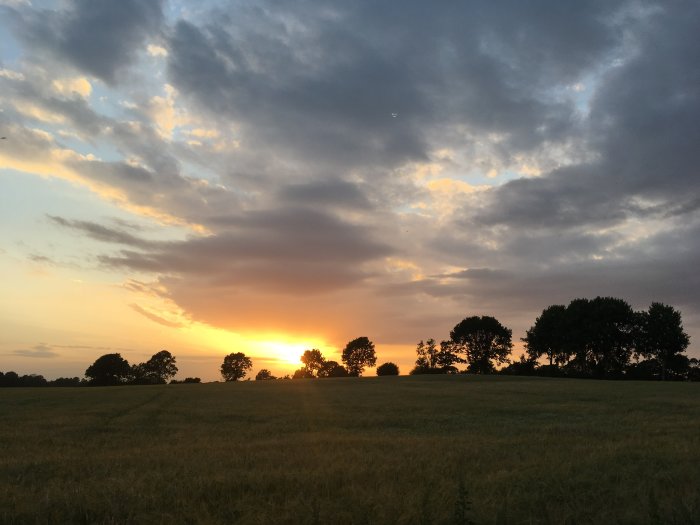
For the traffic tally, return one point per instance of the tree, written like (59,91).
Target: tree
(358,354)
(483,340)
(661,338)
(313,361)
(433,361)
(156,371)
(601,336)
(109,370)
(161,366)
(388,369)
(548,337)
(235,366)
(264,375)
(302,373)
(332,369)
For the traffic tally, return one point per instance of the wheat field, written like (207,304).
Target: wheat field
(420,449)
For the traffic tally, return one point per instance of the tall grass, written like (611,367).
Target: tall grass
(422,449)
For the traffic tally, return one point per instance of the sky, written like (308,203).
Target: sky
(267,177)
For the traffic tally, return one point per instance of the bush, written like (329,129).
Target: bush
(388,369)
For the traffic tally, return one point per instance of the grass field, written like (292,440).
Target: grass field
(422,449)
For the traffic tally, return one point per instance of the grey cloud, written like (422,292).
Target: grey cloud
(101,233)
(289,251)
(99,37)
(333,193)
(324,86)
(40,351)
(155,318)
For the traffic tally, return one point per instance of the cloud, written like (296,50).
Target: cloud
(99,232)
(98,37)
(540,151)
(156,318)
(40,351)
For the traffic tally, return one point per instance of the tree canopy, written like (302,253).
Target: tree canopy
(388,369)
(235,366)
(313,361)
(661,337)
(359,354)
(157,370)
(484,341)
(109,370)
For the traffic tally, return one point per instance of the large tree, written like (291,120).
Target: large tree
(359,354)
(157,370)
(661,337)
(484,341)
(313,361)
(235,366)
(108,370)
(601,335)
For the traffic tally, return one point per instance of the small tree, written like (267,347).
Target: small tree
(388,369)
(109,370)
(484,341)
(264,375)
(235,366)
(332,369)
(313,361)
(358,354)
(661,338)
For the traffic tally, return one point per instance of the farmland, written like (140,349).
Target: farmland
(421,449)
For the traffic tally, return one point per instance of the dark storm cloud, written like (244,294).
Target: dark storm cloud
(324,83)
(643,128)
(100,37)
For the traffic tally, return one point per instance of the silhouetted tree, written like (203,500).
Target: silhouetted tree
(601,336)
(332,369)
(427,354)
(430,360)
(109,370)
(548,337)
(65,382)
(522,367)
(694,369)
(313,361)
(302,373)
(358,354)
(661,338)
(10,379)
(187,380)
(388,369)
(235,366)
(161,366)
(264,375)
(483,340)
(448,356)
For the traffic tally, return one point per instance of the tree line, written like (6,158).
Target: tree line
(588,338)
(601,338)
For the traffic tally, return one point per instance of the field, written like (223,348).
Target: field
(422,449)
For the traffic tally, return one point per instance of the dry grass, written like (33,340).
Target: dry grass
(430,449)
